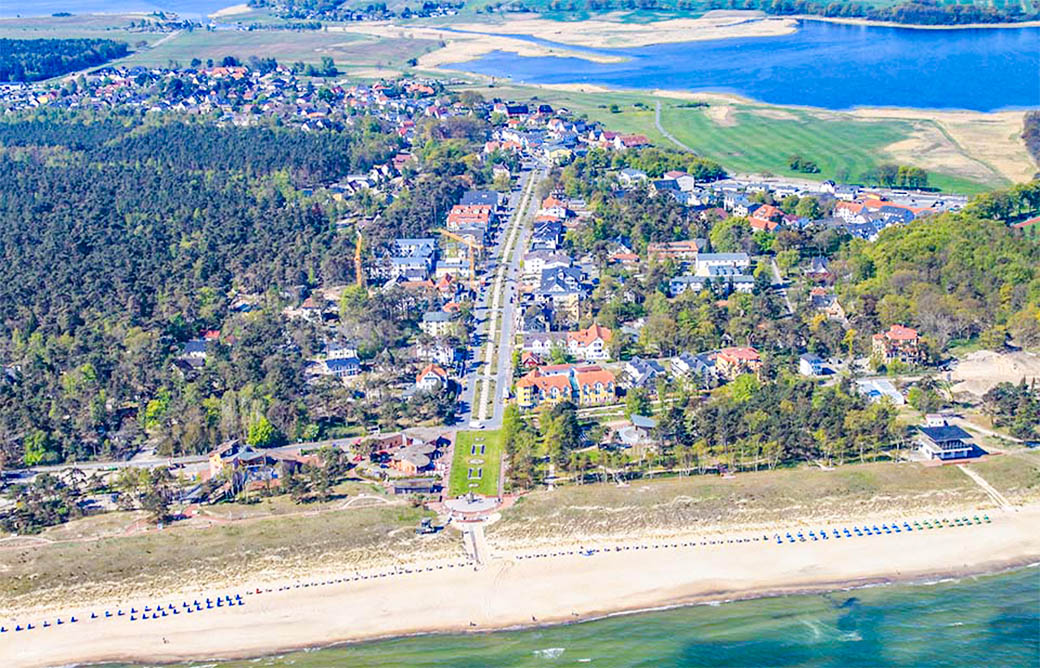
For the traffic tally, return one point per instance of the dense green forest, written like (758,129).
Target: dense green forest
(36,59)
(955,276)
(117,244)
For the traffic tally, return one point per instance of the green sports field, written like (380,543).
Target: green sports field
(476,464)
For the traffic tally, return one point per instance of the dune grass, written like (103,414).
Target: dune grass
(805,496)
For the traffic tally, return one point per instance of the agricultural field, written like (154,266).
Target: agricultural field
(72,27)
(476,465)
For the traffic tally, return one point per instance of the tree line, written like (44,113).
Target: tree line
(750,424)
(133,242)
(36,59)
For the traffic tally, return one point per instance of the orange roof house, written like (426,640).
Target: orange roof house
(766,217)
(898,343)
(732,362)
(431,378)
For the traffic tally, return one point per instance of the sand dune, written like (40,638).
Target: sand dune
(515,588)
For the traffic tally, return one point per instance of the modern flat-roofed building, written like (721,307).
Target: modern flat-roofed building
(945,442)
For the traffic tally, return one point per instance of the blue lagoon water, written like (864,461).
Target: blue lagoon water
(822,64)
(991,621)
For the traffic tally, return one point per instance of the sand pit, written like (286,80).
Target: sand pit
(993,139)
(982,370)
(931,148)
(721,115)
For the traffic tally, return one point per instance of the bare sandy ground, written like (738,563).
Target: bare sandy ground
(608,31)
(231,11)
(994,140)
(516,589)
(982,370)
(468,41)
(888,24)
(461,47)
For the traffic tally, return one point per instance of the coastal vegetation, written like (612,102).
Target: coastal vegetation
(35,59)
(242,540)
(1015,408)
(957,275)
(748,425)
(1031,134)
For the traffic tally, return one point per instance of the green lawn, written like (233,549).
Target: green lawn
(465,463)
(758,138)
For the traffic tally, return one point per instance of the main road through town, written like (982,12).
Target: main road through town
(482,385)
(485,386)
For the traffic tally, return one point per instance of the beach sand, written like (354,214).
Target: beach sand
(608,31)
(231,11)
(460,47)
(511,591)
(914,26)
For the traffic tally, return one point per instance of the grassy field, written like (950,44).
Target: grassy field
(788,497)
(758,138)
(96,27)
(347,50)
(465,461)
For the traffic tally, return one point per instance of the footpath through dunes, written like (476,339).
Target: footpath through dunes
(577,552)
(567,584)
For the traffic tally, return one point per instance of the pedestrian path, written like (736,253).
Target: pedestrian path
(999,498)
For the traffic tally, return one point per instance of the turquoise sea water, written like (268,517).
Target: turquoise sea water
(822,64)
(990,621)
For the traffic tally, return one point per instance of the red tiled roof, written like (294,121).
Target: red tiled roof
(592,377)
(434,369)
(899,333)
(586,336)
(740,354)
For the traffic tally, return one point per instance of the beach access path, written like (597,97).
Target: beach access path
(558,584)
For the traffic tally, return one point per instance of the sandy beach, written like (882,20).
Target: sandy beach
(608,31)
(913,26)
(231,11)
(524,588)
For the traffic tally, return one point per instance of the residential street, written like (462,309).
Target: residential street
(492,373)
